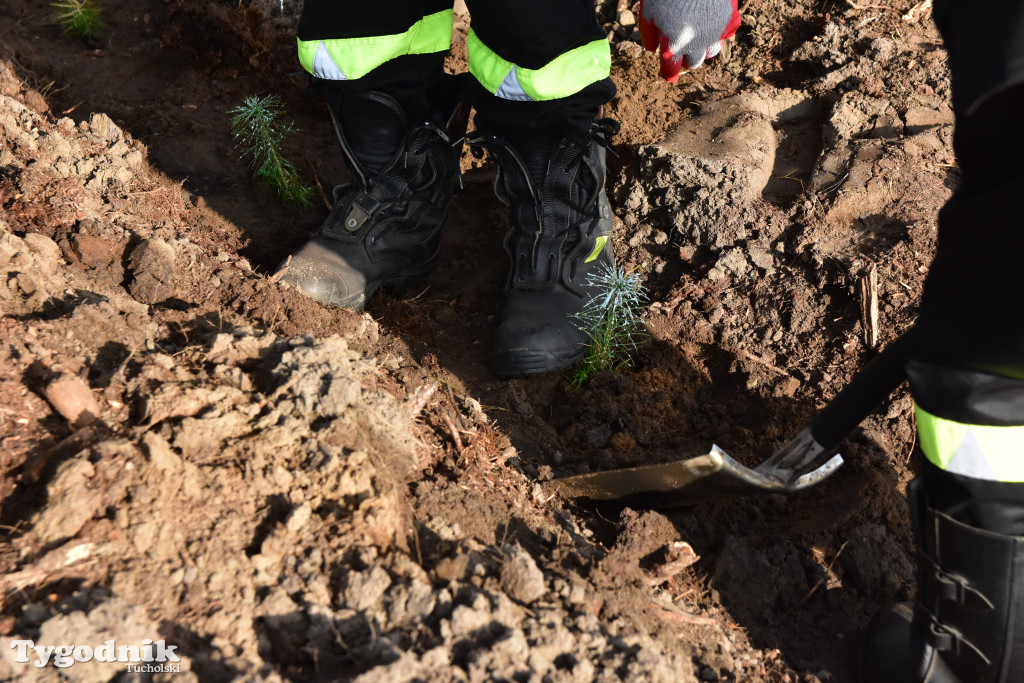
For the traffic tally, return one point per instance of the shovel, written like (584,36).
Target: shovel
(715,475)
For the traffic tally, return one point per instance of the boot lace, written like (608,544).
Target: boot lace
(572,157)
(367,196)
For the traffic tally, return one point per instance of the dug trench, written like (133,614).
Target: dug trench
(290,491)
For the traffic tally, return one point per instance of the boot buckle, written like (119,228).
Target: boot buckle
(956,589)
(944,638)
(953,588)
(361,209)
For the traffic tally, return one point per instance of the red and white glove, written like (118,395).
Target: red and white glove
(686,32)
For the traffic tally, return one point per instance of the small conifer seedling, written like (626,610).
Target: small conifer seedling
(80,18)
(614,321)
(259,128)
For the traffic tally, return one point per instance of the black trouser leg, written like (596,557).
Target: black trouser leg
(530,34)
(967,378)
(969,366)
(406,77)
(327,19)
(972,310)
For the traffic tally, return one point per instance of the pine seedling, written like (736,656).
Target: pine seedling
(258,128)
(80,18)
(614,321)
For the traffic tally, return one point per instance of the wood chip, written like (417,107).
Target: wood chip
(421,398)
(868,287)
(678,556)
(918,11)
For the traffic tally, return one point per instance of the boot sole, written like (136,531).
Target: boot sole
(396,286)
(533,362)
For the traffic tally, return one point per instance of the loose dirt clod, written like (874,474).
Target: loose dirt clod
(520,576)
(73,399)
(152,267)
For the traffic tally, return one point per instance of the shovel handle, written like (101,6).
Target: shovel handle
(865,391)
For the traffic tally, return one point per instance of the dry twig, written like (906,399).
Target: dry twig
(861,8)
(678,556)
(816,586)
(918,11)
(458,415)
(869,305)
(671,613)
(454,433)
(320,188)
(421,398)
(284,269)
(52,565)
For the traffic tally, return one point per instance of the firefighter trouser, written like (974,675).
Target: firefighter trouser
(968,373)
(534,62)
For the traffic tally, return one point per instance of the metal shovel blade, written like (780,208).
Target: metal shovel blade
(684,482)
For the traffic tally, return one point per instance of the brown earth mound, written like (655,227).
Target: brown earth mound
(194,453)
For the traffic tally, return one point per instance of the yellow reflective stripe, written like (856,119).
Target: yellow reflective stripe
(355,57)
(565,75)
(981,451)
(598,246)
(939,438)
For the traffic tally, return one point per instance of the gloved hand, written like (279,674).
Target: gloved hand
(686,32)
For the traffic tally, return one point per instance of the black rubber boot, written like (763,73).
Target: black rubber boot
(967,623)
(560,236)
(384,230)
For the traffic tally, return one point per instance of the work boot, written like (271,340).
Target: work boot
(967,623)
(560,236)
(384,230)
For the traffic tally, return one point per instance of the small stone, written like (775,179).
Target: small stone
(299,518)
(45,251)
(627,19)
(707,674)
(71,397)
(366,589)
(452,568)
(761,257)
(34,613)
(103,127)
(882,49)
(93,252)
(152,267)
(789,387)
(520,576)
(27,284)
(733,261)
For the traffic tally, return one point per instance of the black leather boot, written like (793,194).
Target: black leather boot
(967,622)
(561,235)
(384,230)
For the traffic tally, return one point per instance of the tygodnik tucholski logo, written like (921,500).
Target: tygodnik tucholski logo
(149,657)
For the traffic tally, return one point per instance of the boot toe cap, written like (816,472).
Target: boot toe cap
(535,346)
(325,276)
